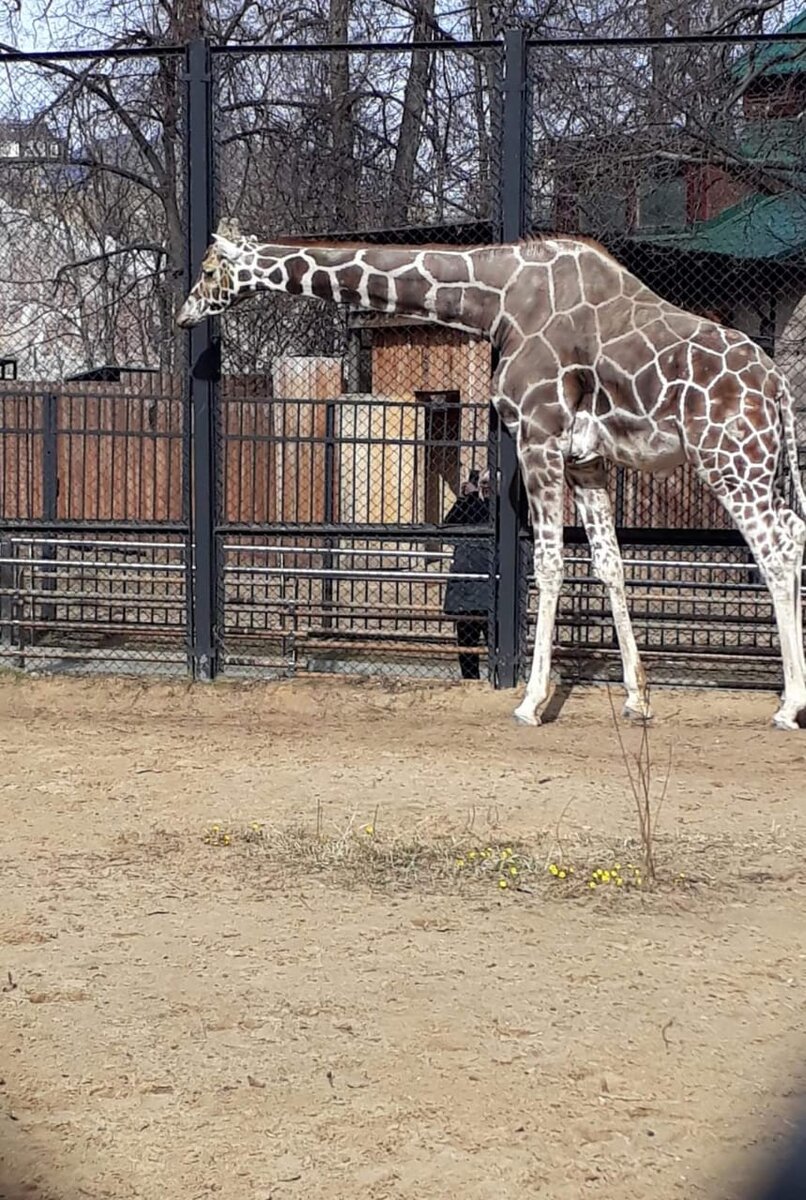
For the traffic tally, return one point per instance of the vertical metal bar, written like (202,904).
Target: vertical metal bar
(50,494)
(329,513)
(204,369)
(507,612)
(7,632)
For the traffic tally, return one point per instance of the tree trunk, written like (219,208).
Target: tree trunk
(408,143)
(343,164)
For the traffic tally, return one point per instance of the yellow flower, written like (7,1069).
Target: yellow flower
(554,869)
(215,828)
(592,884)
(369,830)
(472,855)
(502,883)
(605,876)
(460,862)
(619,882)
(616,866)
(513,870)
(561,874)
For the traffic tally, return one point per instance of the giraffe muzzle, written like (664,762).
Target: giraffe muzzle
(189,314)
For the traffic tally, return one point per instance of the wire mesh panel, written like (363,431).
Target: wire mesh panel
(686,162)
(347,438)
(94,508)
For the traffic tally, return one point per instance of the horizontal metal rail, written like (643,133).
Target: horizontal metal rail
(336,573)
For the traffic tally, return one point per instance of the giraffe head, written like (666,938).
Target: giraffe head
(223,280)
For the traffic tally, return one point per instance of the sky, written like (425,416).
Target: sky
(27,30)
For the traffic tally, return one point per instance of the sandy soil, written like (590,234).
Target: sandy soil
(187,1020)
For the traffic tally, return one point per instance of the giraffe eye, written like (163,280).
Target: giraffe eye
(208,272)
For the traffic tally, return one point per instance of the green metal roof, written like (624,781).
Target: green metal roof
(775,58)
(769,227)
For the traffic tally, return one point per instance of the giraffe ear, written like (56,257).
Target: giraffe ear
(228,228)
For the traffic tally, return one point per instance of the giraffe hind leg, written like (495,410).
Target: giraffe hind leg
(593,504)
(777,536)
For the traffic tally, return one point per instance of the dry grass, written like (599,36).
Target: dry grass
(361,856)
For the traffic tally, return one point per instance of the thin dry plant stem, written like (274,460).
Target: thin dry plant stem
(641,789)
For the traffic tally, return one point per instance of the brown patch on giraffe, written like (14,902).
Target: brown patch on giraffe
(706,367)
(349,278)
(496,266)
(681,324)
(725,399)
(389,258)
(447,268)
(613,317)
(379,288)
(527,298)
(644,314)
(694,404)
(664,338)
(332,256)
(752,377)
(411,289)
(671,361)
(567,284)
(470,305)
(602,404)
(322,284)
(562,334)
(297,268)
(737,357)
(649,385)
(598,277)
(755,450)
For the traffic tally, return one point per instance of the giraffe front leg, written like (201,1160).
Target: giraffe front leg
(543,476)
(593,504)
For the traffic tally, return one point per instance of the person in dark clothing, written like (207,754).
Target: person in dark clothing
(470,600)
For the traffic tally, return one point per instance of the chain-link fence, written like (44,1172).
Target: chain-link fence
(685,160)
(94,485)
(367,432)
(341,499)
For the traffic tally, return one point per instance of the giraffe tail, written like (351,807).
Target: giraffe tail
(791,442)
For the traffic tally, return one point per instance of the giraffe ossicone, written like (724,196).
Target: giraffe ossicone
(593,366)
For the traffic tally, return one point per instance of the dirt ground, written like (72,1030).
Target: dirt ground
(187,1019)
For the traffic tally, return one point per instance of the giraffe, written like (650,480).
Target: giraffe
(592,367)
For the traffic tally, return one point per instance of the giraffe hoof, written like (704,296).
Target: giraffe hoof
(782,720)
(641,715)
(524,717)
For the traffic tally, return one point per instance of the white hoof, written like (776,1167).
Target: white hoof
(782,721)
(525,716)
(637,712)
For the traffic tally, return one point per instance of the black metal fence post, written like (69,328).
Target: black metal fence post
(513,226)
(50,497)
(204,368)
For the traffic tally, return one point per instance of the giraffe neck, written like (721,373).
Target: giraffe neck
(450,287)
